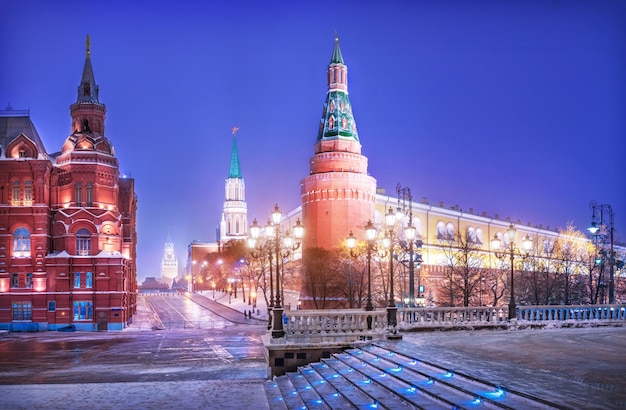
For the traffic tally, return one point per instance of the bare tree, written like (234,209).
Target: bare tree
(351,280)
(321,276)
(464,269)
(566,249)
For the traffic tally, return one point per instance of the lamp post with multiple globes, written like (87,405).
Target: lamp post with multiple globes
(405,207)
(280,244)
(511,251)
(388,241)
(598,229)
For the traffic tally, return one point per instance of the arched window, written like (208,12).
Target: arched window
(79,193)
(479,236)
(21,243)
(441,230)
(471,235)
(16,193)
(89,194)
(83,242)
(450,231)
(28,193)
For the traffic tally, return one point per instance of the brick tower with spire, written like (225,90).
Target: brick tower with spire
(234,223)
(338,195)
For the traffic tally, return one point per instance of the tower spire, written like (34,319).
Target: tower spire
(337,58)
(235,167)
(88,90)
(337,120)
(88,114)
(234,223)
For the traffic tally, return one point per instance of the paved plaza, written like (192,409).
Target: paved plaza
(223,367)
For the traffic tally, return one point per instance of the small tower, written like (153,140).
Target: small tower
(169,265)
(234,223)
(338,195)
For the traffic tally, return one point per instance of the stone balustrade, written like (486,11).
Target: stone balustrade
(451,316)
(346,325)
(545,313)
(334,325)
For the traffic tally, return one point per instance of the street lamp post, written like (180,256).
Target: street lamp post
(511,251)
(258,248)
(404,196)
(598,230)
(392,310)
(370,236)
(282,244)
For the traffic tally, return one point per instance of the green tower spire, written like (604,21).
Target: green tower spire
(337,119)
(337,58)
(235,167)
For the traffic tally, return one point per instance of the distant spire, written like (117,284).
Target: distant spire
(88,46)
(235,167)
(337,58)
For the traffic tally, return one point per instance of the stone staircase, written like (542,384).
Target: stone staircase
(376,377)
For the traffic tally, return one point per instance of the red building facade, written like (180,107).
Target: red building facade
(67,224)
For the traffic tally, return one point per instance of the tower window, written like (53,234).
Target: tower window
(28,193)
(79,193)
(88,280)
(86,89)
(89,194)
(17,192)
(83,242)
(21,243)
(77,279)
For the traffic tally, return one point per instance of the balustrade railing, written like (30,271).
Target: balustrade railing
(571,312)
(334,324)
(341,325)
(450,316)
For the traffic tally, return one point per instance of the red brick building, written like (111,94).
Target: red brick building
(67,224)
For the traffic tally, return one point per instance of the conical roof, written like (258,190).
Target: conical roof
(88,90)
(235,167)
(337,119)
(337,58)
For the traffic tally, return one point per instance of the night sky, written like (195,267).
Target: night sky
(515,108)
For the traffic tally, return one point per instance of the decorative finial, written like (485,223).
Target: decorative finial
(234,130)
(336,37)
(88,45)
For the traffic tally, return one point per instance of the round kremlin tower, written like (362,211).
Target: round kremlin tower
(338,195)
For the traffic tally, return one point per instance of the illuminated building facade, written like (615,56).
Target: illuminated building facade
(339,197)
(67,224)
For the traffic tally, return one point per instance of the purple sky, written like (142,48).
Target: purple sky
(515,108)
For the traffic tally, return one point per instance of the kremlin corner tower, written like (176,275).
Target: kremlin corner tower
(338,195)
